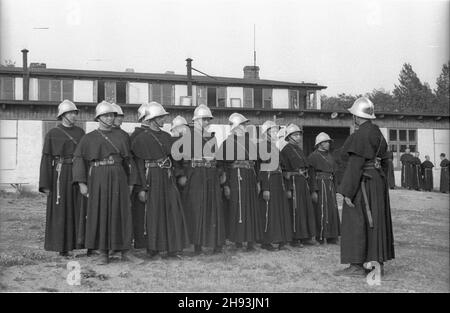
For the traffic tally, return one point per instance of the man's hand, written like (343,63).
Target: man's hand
(349,202)
(130,189)
(314,197)
(83,189)
(289,194)
(258,188)
(142,195)
(266,195)
(182,181)
(223,178)
(227,192)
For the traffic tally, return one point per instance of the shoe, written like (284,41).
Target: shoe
(173,255)
(267,246)
(102,258)
(218,249)
(128,257)
(91,252)
(333,241)
(282,246)
(250,246)
(354,270)
(64,254)
(152,253)
(116,255)
(296,243)
(197,250)
(238,245)
(310,242)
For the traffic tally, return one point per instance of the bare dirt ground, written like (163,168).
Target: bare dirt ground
(421,232)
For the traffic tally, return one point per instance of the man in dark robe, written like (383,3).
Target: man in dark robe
(105,172)
(55,180)
(417,172)
(237,156)
(301,188)
(164,222)
(366,233)
(427,170)
(390,169)
(407,169)
(276,217)
(118,120)
(202,194)
(327,214)
(444,183)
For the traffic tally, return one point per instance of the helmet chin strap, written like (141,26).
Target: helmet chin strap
(67,121)
(106,125)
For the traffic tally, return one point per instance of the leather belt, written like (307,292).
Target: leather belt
(62,160)
(324,175)
(243,164)
(161,163)
(109,161)
(203,163)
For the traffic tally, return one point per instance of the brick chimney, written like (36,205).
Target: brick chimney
(26,75)
(251,72)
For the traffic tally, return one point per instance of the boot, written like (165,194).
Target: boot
(173,255)
(198,249)
(282,246)
(128,257)
(310,242)
(102,258)
(354,270)
(218,249)
(333,241)
(91,252)
(152,253)
(296,243)
(250,246)
(238,245)
(115,254)
(267,246)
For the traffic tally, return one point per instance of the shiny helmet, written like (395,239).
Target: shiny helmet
(103,107)
(178,121)
(237,119)
(154,110)
(117,109)
(364,108)
(322,137)
(290,129)
(66,106)
(202,111)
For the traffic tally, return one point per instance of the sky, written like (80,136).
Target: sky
(351,46)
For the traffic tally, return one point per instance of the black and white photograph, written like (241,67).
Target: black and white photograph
(224,151)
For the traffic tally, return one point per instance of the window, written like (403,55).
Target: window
(7,88)
(399,140)
(55,89)
(8,144)
(293,99)
(235,102)
(257,97)
(221,97)
(248,97)
(201,95)
(212,96)
(163,93)
(110,92)
(311,100)
(267,98)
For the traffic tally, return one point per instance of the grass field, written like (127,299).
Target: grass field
(421,232)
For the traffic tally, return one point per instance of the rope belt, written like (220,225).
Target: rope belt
(243,164)
(299,172)
(59,161)
(324,175)
(111,160)
(203,163)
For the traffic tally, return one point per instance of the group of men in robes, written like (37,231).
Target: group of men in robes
(418,175)
(109,191)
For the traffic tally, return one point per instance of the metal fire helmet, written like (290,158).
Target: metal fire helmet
(66,106)
(103,107)
(178,121)
(202,111)
(154,110)
(363,108)
(290,129)
(142,110)
(322,137)
(118,109)
(267,125)
(237,119)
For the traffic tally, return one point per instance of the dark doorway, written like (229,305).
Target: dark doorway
(212,97)
(338,134)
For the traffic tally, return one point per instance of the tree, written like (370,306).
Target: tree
(411,95)
(383,100)
(341,102)
(8,63)
(442,90)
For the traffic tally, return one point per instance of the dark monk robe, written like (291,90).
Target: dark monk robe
(202,195)
(407,170)
(64,200)
(276,217)
(103,162)
(366,231)
(300,181)
(390,169)
(427,170)
(244,222)
(327,215)
(417,173)
(137,207)
(443,187)
(164,223)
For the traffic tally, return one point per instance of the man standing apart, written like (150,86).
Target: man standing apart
(444,184)
(55,180)
(366,216)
